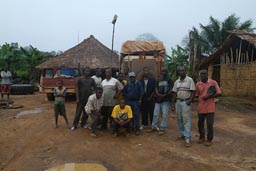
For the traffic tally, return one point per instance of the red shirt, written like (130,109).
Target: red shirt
(206,106)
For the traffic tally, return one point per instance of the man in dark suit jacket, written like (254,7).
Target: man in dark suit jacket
(147,101)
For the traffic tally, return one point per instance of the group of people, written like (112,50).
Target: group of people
(137,104)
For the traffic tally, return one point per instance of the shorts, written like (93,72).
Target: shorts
(5,88)
(59,109)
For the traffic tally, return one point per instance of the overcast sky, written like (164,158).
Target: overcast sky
(55,24)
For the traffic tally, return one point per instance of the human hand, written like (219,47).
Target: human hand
(189,102)
(173,107)
(205,98)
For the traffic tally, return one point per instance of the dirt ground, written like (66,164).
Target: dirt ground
(31,143)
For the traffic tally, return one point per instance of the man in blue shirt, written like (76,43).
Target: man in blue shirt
(132,93)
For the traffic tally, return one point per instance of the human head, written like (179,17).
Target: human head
(87,72)
(122,103)
(5,68)
(145,71)
(99,92)
(164,71)
(98,72)
(126,71)
(120,76)
(108,73)
(182,71)
(132,76)
(203,75)
(59,83)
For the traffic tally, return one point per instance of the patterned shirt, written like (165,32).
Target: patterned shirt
(94,104)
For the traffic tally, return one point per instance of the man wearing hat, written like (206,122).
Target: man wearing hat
(132,93)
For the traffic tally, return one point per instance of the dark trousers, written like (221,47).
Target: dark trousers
(106,112)
(79,108)
(147,111)
(95,122)
(209,120)
(136,114)
(116,126)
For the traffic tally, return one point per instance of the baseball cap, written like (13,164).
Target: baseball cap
(132,74)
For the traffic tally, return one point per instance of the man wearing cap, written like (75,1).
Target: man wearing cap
(132,93)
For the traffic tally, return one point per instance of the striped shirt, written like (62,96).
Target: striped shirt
(184,87)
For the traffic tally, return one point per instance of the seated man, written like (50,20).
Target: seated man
(122,115)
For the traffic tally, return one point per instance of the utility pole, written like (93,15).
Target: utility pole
(112,47)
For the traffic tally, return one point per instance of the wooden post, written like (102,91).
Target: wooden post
(252,55)
(236,56)
(247,57)
(232,57)
(240,49)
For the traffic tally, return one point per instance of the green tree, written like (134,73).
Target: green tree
(21,60)
(179,57)
(215,32)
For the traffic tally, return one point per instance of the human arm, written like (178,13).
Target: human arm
(119,88)
(192,90)
(217,91)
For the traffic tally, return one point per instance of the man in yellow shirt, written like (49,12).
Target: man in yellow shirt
(122,115)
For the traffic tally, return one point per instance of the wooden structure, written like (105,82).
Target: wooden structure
(233,65)
(138,54)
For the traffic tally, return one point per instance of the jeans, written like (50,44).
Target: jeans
(161,109)
(184,118)
(209,120)
(136,114)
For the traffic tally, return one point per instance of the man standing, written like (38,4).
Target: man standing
(111,89)
(84,87)
(97,77)
(184,91)
(147,101)
(6,82)
(93,108)
(206,90)
(133,93)
(163,91)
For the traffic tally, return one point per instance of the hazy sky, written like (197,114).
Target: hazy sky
(55,24)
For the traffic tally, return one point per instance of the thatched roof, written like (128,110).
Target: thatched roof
(147,47)
(89,53)
(234,36)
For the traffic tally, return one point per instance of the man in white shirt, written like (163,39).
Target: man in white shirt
(6,76)
(97,77)
(93,108)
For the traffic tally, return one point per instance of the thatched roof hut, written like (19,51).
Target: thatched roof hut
(89,53)
(233,65)
(237,48)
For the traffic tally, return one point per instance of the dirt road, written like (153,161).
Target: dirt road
(29,142)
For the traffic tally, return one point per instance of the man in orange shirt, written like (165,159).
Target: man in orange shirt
(206,90)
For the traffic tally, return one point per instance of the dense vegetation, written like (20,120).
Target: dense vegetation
(21,61)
